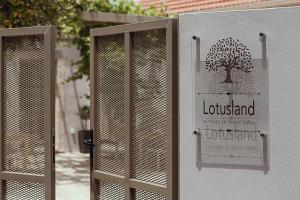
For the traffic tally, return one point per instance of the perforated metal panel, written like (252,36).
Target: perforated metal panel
(110,125)
(23,105)
(133,77)
(109,191)
(16,190)
(149,132)
(144,195)
(26,119)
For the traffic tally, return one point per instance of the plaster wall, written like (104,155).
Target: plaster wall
(69,97)
(282,29)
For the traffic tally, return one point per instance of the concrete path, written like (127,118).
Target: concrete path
(72,176)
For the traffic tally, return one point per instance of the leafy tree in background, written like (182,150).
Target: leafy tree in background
(65,16)
(22,13)
(82,40)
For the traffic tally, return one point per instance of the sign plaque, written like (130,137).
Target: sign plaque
(231,101)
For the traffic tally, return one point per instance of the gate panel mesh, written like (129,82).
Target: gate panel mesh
(109,98)
(144,195)
(23,107)
(149,132)
(109,191)
(24,191)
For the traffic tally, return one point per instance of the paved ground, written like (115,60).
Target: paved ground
(72,176)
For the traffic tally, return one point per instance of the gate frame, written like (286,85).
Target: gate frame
(48,178)
(171,191)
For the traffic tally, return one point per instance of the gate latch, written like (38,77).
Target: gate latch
(90,143)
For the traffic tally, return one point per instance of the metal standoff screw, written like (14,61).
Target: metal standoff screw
(195,37)
(262,135)
(195,132)
(261,34)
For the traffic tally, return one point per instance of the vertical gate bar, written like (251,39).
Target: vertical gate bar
(2,185)
(172,110)
(92,110)
(169,40)
(2,189)
(128,114)
(175,71)
(52,90)
(49,39)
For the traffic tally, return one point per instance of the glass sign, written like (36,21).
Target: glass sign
(231,106)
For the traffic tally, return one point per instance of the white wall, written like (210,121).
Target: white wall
(282,182)
(69,96)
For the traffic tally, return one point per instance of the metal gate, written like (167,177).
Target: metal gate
(27,113)
(134,111)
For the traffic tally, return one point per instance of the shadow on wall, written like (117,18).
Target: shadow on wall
(69,98)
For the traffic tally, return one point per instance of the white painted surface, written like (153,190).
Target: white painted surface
(282,27)
(68,97)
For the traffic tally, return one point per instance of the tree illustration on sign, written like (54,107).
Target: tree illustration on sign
(229,54)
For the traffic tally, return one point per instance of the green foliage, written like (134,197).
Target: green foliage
(82,40)
(65,16)
(22,13)
(84,112)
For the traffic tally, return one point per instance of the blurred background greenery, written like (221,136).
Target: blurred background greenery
(65,15)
